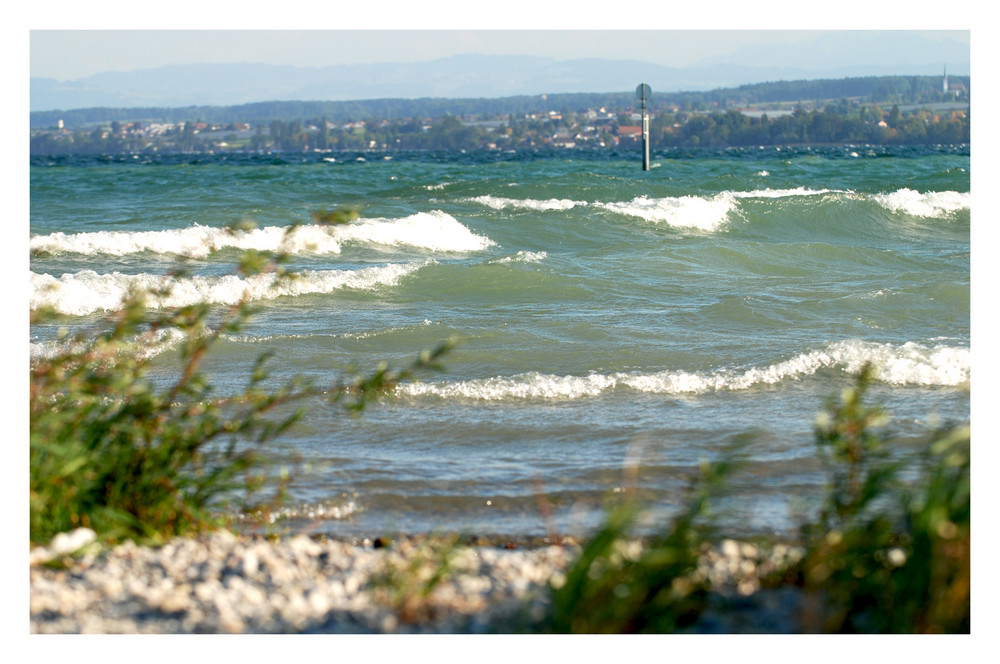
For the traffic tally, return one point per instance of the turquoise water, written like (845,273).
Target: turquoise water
(616,327)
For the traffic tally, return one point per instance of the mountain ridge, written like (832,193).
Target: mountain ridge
(467,75)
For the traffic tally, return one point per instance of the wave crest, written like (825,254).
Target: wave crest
(523,257)
(433,231)
(929,204)
(501,203)
(907,364)
(85,292)
(706,214)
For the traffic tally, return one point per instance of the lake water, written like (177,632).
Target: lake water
(615,327)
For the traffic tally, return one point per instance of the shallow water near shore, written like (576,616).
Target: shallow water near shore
(615,327)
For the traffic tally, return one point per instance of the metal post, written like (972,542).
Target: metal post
(642,92)
(645,137)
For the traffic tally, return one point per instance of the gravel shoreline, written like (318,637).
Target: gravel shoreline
(224,583)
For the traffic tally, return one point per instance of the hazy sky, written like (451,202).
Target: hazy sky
(73,54)
(73,42)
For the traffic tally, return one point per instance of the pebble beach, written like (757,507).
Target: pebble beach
(222,583)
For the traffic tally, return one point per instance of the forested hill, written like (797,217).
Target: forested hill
(875,90)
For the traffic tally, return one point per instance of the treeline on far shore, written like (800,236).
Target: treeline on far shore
(833,124)
(877,110)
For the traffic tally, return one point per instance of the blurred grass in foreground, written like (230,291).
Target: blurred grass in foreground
(883,556)
(113,452)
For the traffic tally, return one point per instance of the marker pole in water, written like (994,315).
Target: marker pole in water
(644,92)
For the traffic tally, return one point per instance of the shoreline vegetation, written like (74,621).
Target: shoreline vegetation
(128,480)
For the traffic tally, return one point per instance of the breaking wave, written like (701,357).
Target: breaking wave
(929,204)
(708,213)
(523,257)
(782,193)
(433,231)
(144,347)
(907,364)
(86,292)
(500,203)
(705,213)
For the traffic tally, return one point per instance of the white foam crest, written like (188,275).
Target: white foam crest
(523,257)
(195,241)
(780,193)
(531,385)
(86,292)
(145,347)
(929,204)
(908,364)
(500,203)
(706,214)
(436,231)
